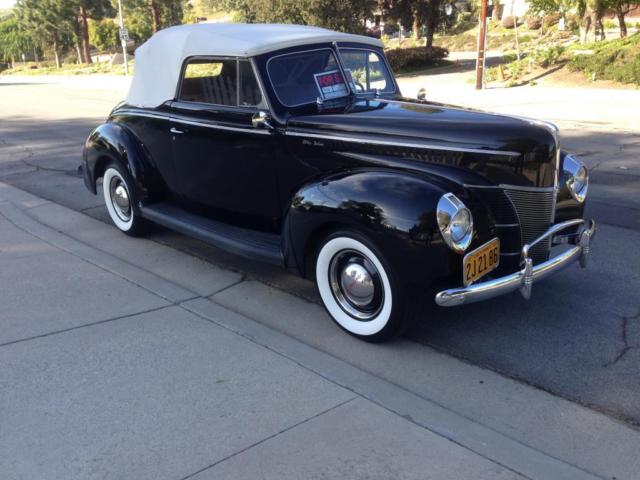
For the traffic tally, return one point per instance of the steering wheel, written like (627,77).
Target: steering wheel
(360,86)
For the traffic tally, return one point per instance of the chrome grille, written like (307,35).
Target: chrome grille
(521,216)
(535,211)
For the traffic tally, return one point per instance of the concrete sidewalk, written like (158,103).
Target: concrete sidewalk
(123,358)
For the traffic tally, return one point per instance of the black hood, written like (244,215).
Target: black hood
(498,148)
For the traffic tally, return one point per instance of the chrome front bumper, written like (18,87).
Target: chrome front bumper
(524,279)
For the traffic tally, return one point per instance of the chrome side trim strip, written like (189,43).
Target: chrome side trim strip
(504,186)
(221,127)
(393,143)
(141,114)
(524,279)
(196,124)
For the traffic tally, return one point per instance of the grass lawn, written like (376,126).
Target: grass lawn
(32,68)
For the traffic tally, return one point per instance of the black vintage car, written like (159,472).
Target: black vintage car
(293,145)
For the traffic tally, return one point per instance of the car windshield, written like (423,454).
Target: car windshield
(368,70)
(301,78)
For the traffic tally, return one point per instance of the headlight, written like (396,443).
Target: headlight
(577,177)
(455,222)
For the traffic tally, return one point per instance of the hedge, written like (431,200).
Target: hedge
(415,58)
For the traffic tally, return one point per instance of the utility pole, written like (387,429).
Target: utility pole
(124,36)
(482,42)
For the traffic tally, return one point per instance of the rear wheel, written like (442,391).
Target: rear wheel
(118,197)
(359,288)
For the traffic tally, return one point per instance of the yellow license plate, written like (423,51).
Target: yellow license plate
(481,261)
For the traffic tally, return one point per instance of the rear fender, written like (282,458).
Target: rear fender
(115,142)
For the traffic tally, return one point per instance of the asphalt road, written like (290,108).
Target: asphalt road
(579,336)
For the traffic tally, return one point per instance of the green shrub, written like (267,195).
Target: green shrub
(534,23)
(103,35)
(415,58)
(551,19)
(548,56)
(617,60)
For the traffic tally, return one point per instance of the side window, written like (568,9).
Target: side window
(210,81)
(368,70)
(250,94)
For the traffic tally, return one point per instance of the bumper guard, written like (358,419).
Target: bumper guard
(524,279)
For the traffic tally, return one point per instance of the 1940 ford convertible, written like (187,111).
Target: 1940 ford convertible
(293,145)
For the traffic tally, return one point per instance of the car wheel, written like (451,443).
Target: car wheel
(359,288)
(118,197)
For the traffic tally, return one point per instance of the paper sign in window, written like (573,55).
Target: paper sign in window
(331,84)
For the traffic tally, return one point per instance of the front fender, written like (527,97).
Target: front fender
(395,209)
(115,142)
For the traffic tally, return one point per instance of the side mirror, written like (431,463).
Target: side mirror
(422,94)
(261,120)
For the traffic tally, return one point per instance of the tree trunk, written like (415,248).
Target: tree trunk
(416,26)
(601,27)
(585,27)
(621,22)
(430,32)
(55,52)
(432,21)
(155,16)
(495,11)
(84,34)
(76,30)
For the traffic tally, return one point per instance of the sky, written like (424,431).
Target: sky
(6,3)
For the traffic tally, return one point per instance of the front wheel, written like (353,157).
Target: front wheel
(117,189)
(359,288)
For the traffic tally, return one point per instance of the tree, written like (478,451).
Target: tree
(563,7)
(591,14)
(342,15)
(90,9)
(50,22)
(104,34)
(418,13)
(146,17)
(14,40)
(622,8)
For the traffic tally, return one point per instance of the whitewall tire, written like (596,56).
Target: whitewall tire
(358,288)
(120,202)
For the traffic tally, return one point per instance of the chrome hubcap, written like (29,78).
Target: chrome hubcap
(120,199)
(356,285)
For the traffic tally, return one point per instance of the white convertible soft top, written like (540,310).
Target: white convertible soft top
(159,60)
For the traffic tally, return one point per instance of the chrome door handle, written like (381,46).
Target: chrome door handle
(175,131)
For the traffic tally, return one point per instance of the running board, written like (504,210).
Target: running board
(261,246)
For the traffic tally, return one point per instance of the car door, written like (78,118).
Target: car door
(225,164)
